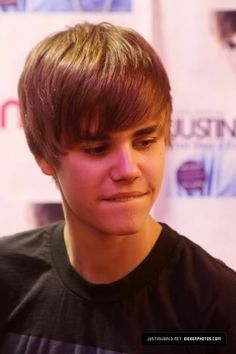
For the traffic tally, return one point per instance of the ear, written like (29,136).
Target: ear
(45,167)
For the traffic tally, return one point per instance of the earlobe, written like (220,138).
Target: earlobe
(45,167)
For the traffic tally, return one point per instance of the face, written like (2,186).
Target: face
(110,183)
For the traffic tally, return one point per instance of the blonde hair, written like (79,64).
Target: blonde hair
(99,74)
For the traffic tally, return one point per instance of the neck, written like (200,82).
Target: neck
(107,258)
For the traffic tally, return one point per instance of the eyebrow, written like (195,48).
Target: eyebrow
(146,130)
(143,131)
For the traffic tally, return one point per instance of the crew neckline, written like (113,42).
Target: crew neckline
(145,273)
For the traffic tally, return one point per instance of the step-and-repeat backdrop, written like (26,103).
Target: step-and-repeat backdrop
(197,39)
(197,43)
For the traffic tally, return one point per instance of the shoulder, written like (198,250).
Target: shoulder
(22,242)
(22,251)
(192,260)
(204,283)
(25,258)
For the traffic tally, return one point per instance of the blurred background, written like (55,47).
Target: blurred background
(196,40)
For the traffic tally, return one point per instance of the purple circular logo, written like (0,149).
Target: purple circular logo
(191,175)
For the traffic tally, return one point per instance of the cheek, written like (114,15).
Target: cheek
(233,57)
(75,190)
(79,180)
(73,181)
(156,171)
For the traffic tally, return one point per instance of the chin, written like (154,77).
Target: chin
(125,228)
(127,232)
(126,224)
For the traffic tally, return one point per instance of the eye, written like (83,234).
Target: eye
(97,150)
(145,143)
(230,44)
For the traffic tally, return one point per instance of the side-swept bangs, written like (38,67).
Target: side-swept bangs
(90,79)
(225,21)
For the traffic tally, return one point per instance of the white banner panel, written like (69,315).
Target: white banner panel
(201,167)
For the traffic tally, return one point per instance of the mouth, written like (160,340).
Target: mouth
(125,197)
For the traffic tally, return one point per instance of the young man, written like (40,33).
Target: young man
(96,105)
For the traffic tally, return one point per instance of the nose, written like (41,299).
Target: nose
(125,165)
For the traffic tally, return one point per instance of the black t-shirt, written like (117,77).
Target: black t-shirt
(48,308)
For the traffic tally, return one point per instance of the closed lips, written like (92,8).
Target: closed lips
(125,196)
